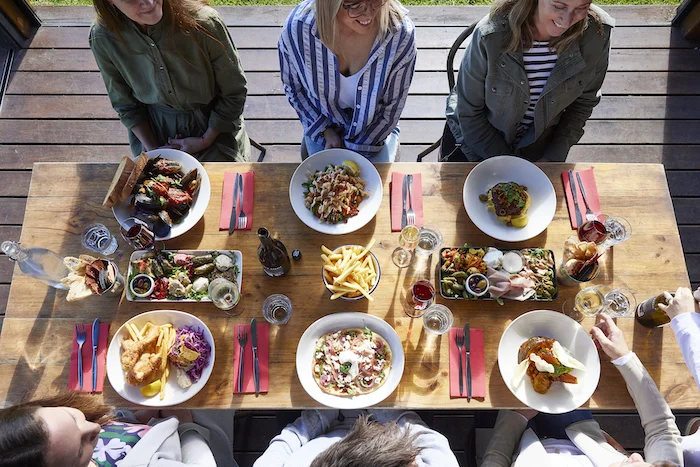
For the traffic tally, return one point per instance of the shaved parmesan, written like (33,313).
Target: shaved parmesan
(519,373)
(563,356)
(541,365)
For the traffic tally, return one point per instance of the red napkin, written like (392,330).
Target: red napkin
(87,360)
(227,199)
(396,192)
(588,179)
(248,380)
(476,361)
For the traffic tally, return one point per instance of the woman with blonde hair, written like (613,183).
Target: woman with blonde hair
(346,68)
(530,77)
(173,75)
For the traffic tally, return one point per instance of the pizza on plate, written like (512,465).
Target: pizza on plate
(351,362)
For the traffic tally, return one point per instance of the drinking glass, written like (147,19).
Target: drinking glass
(137,233)
(98,238)
(408,239)
(619,230)
(593,231)
(429,240)
(588,302)
(277,309)
(225,295)
(620,302)
(421,296)
(438,319)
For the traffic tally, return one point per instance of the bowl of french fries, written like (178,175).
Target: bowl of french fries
(140,366)
(350,272)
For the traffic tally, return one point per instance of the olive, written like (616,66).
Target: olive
(481,285)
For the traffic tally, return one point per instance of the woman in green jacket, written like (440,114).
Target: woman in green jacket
(529,80)
(173,75)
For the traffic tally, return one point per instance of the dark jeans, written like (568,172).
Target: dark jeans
(553,426)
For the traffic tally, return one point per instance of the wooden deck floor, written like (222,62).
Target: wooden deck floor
(56,109)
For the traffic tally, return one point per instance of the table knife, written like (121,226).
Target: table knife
(467,348)
(234,214)
(95,341)
(256,365)
(583,192)
(577,211)
(404,188)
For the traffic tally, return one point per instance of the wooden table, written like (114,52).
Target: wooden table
(64,197)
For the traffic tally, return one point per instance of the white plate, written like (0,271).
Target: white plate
(368,206)
(174,394)
(561,397)
(199,204)
(509,169)
(337,322)
(237,257)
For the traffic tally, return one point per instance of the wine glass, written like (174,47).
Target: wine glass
(620,302)
(588,302)
(419,298)
(619,230)
(408,239)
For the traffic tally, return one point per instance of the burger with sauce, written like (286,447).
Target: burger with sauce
(509,201)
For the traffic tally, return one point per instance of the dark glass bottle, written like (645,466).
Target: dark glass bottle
(272,254)
(650,315)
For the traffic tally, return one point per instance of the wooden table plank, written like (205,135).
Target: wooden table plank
(14,183)
(277,107)
(424,82)
(12,212)
(42,360)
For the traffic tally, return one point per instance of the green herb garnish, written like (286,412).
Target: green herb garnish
(345,368)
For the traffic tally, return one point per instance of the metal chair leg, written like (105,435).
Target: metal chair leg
(432,148)
(260,148)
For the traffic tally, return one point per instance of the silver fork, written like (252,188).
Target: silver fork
(242,218)
(242,341)
(410,214)
(80,336)
(459,339)
(590,216)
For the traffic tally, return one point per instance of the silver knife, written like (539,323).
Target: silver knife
(467,348)
(95,341)
(240,192)
(577,211)
(403,200)
(256,367)
(234,206)
(583,191)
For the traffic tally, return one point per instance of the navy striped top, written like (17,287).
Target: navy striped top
(311,78)
(539,62)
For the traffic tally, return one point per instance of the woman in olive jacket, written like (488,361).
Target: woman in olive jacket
(529,80)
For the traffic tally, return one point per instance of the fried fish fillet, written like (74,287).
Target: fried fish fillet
(132,350)
(146,370)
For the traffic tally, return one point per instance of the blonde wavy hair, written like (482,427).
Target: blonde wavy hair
(520,15)
(325,12)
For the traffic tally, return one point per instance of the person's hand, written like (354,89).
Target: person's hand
(683,302)
(635,460)
(696,294)
(191,145)
(527,413)
(609,337)
(333,139)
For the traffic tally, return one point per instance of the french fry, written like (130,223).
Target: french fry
(349,271)
(132,334)
(326,250)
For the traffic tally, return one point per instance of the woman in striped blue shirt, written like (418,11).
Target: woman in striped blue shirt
(529,80)
(346,66)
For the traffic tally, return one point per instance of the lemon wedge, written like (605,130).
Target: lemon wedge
(351,166)
(520,221)
(152,389)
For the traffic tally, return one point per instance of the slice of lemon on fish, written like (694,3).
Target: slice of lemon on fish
(351,166)
(152,389)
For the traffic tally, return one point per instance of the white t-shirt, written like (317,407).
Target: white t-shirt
(348,89)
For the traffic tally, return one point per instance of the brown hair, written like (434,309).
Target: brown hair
(371,443)
(24,439)
(520,15)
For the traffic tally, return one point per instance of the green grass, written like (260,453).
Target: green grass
(405,2)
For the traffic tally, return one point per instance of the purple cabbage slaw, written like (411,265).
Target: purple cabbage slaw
(193,339)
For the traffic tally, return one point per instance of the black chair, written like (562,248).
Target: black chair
(259,147)
(450,80)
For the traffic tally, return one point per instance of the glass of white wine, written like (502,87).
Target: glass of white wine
(408,240)
(588,302)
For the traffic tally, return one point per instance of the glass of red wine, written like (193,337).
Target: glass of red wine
(421,296)
(593,231)
(137,234)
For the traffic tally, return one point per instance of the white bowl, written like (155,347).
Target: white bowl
(122,211)
(561,397)
(359,297)
(509,169)
(174,394)
(336,322)
(368,207)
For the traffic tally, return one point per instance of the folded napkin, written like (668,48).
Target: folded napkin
(227,199)
(476,361)
(87,360)
(396,200)
(588,179)
(248,379)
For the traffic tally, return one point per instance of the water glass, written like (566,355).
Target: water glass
(619,230)
(438,319)
(421,296)
(98,238)
(620,302)
(137,233)
(277,309)
(408,239)
(225,295)
(429,240)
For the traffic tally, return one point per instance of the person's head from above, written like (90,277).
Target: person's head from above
(559,22)
(636,460)
(371,443)
(351,18)
(57,432)
(114,13)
